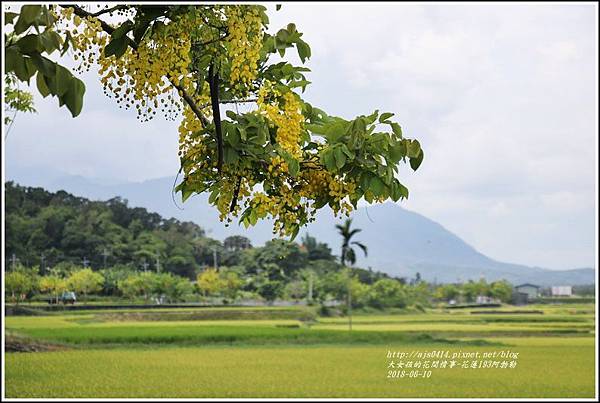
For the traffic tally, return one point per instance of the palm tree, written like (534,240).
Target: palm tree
(349,256)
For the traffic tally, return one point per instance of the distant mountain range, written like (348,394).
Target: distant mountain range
(400,242)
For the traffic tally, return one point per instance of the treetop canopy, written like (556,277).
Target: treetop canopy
(283,159)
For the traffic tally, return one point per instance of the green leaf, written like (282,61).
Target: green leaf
(140,30)
(9,17)
(253,217)
(30,44)
(47,19)
(403,190)
(45,65)
(74,96)
(293,164)
(282,37)
(63,80)
(371,118)
(293,167)
(185,190)
(413,149)
(357,126)
(396,129)
(365,181)
(185,194)
(385,116)
(299,83)
(398,190)
(303,50)
(31,70)
(66,44)
(397,152)
(41,85)
(245,217)
(121,30)
(116,47)
(319,202)
(27,17)
(395,191)
(346,151)
(328,160)
(415,163)
(377,186)
(15,62)
(49,41)
(11,58)
(230,155)
(231,133)
(213,195)
(340,157)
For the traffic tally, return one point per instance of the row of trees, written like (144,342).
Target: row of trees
(23,282)
(230,283)
(469,291)
(227,283)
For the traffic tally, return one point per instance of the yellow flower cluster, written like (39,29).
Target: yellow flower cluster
(190,124)
(277,167)
(288,120)
(245,35)
(284,208)
(262,204)
(227,185)
(339,191)
(314,182)
(192,145)
(87,37)
(320,183)
(143,77)
(140,78)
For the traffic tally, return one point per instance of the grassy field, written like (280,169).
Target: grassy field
(101,355)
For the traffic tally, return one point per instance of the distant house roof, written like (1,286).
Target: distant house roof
(527,285)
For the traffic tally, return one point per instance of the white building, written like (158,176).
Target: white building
(484,299)
(562,291)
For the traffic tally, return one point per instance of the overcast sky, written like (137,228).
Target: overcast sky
(503,98)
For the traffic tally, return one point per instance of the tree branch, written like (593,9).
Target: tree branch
(232,101)
(105,27)
(109,10)
(190,101)
(220,38)
(84,14)
(236,194)
(213,83)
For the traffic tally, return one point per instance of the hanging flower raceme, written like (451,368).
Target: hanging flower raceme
(244,41)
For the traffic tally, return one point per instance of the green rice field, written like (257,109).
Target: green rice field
(100,354)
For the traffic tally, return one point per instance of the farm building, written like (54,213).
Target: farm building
(562,291)
(484,299)
(532,291)
(519,298)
